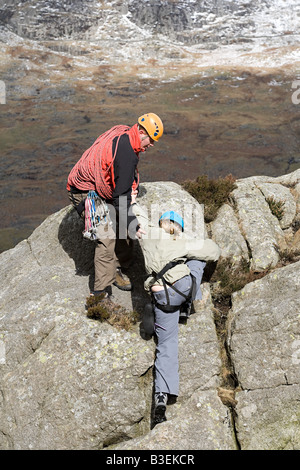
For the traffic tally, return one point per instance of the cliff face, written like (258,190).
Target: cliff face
(61,373)
(46,19)
(188,21)
(193,21)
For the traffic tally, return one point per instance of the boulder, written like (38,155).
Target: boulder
(227,234)
(247,229)
(198,420)
(202,423)
(260,227)
(281,194)
(264,345)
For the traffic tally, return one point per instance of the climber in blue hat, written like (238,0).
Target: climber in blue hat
(175,265)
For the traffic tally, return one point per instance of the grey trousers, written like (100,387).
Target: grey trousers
(166,329)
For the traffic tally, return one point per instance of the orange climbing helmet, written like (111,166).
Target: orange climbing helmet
(152,124)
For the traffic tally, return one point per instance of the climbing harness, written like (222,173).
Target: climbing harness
(96,216)
(186,306)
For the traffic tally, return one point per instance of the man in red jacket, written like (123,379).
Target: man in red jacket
(109,167)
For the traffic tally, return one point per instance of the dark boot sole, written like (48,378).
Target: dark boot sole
(126,288)
(148,320)
(160,414)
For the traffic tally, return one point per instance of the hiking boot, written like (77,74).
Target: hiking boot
(97,296)
(160,401)
(148,319)
(102,294)
(122,282)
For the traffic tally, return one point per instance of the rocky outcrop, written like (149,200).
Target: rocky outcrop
(62,374)
(190,22)
(250,229)
(48,19)
(264,345)
(71,382)
(193,21)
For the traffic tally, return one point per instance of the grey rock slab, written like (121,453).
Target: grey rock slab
(264,330)
(259,226)
(268,419)
(264,345)
(161,196)
(282,194)
(202,423)
(226,233)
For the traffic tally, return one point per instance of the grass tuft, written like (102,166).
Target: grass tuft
(213,193)
(228,278)
(276,207)
(104,310)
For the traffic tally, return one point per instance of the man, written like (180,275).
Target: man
(175,266)
(109,167)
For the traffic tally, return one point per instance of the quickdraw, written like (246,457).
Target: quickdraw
(96,214)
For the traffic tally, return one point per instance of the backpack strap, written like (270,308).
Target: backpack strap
(160,275)
(168,266)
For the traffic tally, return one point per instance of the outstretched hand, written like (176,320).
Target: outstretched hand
(134,196)
(140,232)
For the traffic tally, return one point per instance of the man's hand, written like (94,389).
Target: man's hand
(134,196)
(140,232)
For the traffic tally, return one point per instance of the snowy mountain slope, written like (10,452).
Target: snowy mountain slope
(187,21)
(186,34)
(217,20)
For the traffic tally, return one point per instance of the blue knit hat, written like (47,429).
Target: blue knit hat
(174,217)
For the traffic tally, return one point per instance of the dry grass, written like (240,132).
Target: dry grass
(103,309)
(228,278)
(213,193)
(227,396)
(276,207)
(288,256)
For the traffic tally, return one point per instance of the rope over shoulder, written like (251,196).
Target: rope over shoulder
(94,170)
